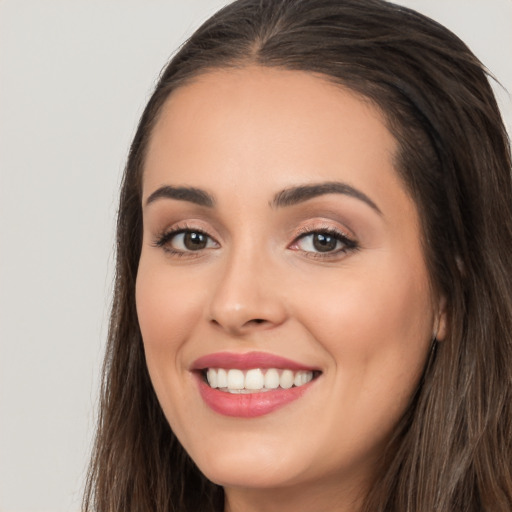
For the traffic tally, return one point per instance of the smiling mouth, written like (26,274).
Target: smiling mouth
(256,380)
(252,384)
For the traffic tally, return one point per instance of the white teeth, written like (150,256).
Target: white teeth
(272,379)
(286,379)
(222,378)
(297,380)
(255,379)
(236,379)
(300,379)
(211,377)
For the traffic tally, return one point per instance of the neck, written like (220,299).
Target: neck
(325,496)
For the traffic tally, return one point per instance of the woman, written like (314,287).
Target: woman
(313,300)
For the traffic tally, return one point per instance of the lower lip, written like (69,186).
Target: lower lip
(249,405)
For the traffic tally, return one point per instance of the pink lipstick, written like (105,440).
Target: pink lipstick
(251,384)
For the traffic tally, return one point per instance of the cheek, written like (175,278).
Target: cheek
(368,311)
(166,309)
(376,328)
(165,305)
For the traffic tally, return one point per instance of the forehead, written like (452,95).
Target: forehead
(257,126)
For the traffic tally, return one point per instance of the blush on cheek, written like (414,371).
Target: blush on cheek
(167,311)
(390,318)
(153,315)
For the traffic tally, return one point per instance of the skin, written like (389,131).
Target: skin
(365,317)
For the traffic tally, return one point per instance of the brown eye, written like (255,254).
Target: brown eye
(186,240)
(319,242)
(194,241)
(324,243)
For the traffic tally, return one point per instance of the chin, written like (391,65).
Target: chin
(253,465)
(260,475)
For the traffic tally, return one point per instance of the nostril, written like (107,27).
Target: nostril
(254,321)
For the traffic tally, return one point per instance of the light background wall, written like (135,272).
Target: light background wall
(74,77)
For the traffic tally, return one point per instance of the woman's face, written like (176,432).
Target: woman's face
(280,249)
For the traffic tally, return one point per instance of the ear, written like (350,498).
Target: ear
(440,320)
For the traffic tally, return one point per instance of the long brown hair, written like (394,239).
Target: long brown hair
(452,450)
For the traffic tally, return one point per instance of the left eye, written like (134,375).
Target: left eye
(189,240)
(323,242)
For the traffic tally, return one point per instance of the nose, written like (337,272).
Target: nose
(248,295)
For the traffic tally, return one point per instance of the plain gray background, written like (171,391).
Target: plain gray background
(74,77)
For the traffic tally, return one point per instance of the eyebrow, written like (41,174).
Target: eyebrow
(287,197)
(190,194)
(294,195)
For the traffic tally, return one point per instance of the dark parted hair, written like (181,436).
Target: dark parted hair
(452,449)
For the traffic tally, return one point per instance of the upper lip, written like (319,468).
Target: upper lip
(248,360)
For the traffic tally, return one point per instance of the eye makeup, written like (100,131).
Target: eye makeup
(323,242)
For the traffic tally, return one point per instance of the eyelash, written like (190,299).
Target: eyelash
(163,239)
(349,245)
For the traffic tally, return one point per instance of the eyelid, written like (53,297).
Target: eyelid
(323,225)
(163,237)
(315,226)
(348,240)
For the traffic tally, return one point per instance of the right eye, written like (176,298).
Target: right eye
(185,240)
